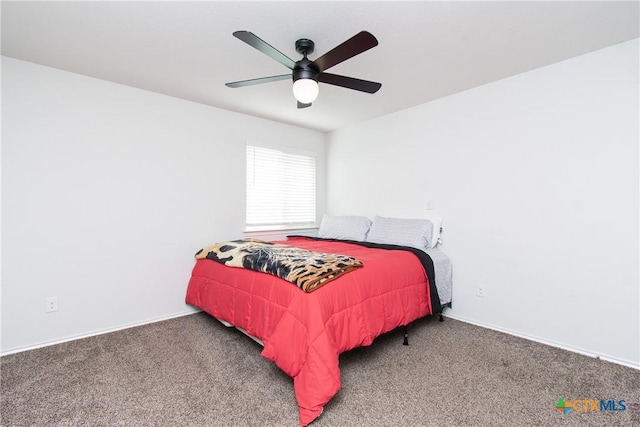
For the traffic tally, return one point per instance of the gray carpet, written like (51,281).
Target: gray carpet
(192,371)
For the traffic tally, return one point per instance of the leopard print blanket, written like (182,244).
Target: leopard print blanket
(306,269)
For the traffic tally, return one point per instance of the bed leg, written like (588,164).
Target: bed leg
(406,336)
(441,318)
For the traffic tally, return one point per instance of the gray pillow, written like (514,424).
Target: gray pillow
(415,233)
(344,227)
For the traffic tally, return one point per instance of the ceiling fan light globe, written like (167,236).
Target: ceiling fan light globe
(305,90)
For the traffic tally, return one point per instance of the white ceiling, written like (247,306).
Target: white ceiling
(427,49)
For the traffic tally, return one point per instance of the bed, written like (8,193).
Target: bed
(303,333)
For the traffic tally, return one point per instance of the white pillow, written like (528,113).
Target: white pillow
(344,227)
(415,233)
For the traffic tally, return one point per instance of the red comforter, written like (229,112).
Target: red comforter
(303,333)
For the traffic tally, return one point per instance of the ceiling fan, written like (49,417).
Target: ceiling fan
(306,73)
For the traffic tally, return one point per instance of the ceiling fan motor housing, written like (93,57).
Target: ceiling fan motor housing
(305,69)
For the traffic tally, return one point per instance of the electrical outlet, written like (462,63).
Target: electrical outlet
(480,291)
(51,304)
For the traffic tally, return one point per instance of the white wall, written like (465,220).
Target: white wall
(537,178)
(107,193)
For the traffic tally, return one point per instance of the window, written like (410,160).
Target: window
(281,189)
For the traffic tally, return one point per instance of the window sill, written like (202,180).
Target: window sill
(277,228)
(280,233)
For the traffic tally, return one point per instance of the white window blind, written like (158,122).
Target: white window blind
(281,189)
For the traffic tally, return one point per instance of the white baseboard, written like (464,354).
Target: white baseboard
(615,360)
(627,363)
(98,332)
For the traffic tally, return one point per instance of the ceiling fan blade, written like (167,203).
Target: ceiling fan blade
(301,105)
(258,81)
(264,47)
(357,44)
(349,82)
